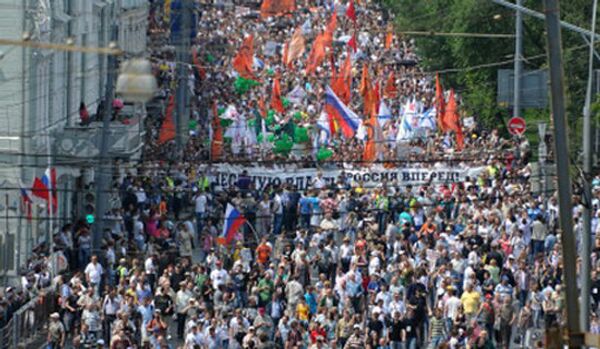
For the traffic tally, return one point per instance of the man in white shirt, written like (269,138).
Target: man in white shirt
(194,338)
(93,274)
(218,276)
(451,307)
(200,201)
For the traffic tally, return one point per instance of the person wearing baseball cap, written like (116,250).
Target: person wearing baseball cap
(56,332)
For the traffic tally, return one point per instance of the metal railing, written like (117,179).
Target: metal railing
(27,326)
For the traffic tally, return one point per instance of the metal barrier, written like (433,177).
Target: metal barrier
(27,326)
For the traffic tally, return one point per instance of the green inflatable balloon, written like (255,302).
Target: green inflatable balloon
(271,138)
(324,154)
(300,135)
(283,145)
(297,116)
(226,122)
(285,102)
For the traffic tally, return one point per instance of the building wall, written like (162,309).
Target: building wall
(40,93)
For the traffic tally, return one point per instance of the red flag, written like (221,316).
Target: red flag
(216,146)
(352,42)
(277,7)
(276,102)
(391,91)
(439,103)
(244,60)
(351,11)
(452,120)
(167,130)
(40,190)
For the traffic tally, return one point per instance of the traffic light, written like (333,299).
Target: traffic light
(90,207)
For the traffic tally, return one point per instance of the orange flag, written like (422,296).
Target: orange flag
(276,102)
(244,59)
(277,7)
(374,139)
(216,146)
(439,103)
(296,47)
(284,55)
(452,120)
(262,109)
(167,130)
(347,69)
(391,91)
(317,53)
(389,37)
(365,83)
(340,86)
(330,29)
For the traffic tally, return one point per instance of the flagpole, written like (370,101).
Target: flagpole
(254,231)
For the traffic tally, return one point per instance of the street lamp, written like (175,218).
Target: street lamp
(136,82)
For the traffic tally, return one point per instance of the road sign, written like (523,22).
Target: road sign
(516,126)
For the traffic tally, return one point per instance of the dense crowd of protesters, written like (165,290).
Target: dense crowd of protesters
(340,265)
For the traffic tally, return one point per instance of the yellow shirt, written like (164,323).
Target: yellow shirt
(302,312)
(470,301)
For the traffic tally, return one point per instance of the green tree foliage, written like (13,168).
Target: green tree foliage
(476,82)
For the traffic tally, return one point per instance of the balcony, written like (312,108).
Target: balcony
(82,143)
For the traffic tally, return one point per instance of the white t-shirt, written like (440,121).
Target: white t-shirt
(452,306)
(94,272)
(201,203)
(218,277)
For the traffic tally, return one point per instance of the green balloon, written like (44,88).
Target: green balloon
(324,154)
(283,145)
(252,122)
(285,102)
(271,138)
(221,110)
(192,125)
(226,122)
(297,116)
(300,135)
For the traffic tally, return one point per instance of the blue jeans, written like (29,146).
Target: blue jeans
(277,223)
(305,220)
(396,345)
(84,257)
(199,223)
(411,343)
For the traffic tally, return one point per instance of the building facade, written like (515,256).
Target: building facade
(40,96)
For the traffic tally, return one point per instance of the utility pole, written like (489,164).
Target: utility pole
(103,172)
(518,55)
(562,165)
(587,189)
(182,44)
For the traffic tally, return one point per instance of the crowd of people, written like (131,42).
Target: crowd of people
(340,264)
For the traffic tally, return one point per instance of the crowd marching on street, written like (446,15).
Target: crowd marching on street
(188,262)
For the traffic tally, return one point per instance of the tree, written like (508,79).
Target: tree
(476,78)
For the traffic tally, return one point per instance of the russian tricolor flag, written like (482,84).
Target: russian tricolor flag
(26,201)
(347,120)
(45,188)
(233,221)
